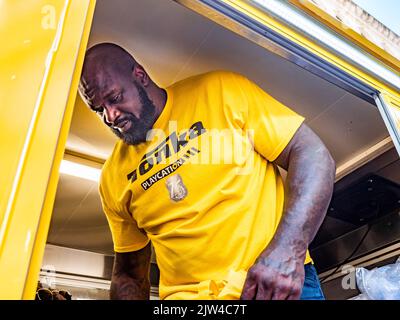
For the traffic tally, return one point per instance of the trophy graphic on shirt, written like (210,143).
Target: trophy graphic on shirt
(176,188)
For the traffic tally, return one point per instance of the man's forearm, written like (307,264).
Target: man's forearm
(309,187)
(130,278)
(278,272)
(124,287)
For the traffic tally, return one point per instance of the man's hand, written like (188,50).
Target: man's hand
(277,274)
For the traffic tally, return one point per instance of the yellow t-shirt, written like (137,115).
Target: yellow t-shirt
(203,188)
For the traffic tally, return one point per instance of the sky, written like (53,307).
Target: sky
(386,11)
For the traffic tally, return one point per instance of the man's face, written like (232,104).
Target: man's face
(121,102)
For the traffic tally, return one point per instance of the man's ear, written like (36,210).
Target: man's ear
(140,75)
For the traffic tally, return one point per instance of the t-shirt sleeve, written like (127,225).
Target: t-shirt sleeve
(270,124)
(125,232)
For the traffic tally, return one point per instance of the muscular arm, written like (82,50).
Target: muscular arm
(278,273)
(130,278)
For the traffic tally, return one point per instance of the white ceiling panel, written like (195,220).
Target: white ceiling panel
(88,135)
(162,35)
(349,127)
(295,87)
(71,191)
(78,220)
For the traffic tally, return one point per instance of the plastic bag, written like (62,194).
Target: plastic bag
(381,283)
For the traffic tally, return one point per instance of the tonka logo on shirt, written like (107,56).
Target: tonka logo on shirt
(171,145)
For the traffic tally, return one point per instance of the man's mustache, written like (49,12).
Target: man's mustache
(128,117)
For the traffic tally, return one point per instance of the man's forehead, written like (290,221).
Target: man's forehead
(99,84)
(99,79)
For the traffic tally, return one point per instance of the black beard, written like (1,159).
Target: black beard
(139,127)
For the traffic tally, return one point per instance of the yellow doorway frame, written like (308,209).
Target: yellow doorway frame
(55,34)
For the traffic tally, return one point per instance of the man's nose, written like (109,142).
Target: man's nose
(111,114)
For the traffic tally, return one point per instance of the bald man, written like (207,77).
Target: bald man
(222,224)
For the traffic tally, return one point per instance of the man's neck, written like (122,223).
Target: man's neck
(159,98)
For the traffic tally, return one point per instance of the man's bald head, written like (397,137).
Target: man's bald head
(119,90)
(110,57)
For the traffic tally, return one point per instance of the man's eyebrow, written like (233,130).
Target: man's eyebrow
(109,93)
(91,101)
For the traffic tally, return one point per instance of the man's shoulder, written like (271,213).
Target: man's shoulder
(112,162)
(215,76)
(218,74)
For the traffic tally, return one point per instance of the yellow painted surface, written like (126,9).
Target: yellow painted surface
(347,32)
(41,57)
(22,58)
